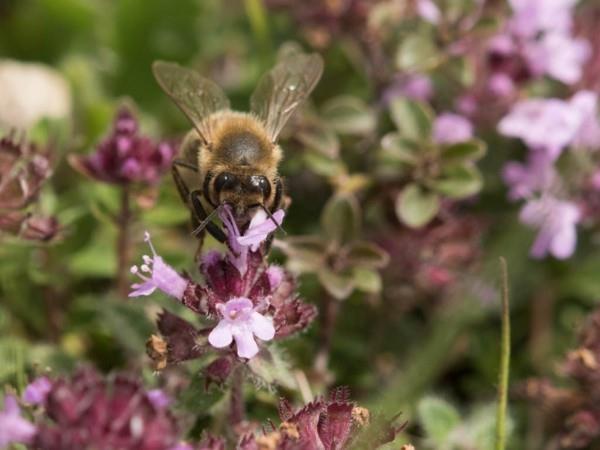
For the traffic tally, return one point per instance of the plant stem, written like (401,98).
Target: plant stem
(329,310)
(123,245)
(504,362)
(237,410)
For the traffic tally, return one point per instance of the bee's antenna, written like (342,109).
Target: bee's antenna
(266,210)
(205,222)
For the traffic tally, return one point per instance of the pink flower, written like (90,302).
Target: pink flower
(37,391)
(548,124)
(588,134)
(450,128)
(240,322)
(414,86)
(537,175)
(162,276)
(13,427)
(257,232)
(531,17)
(559,56)
(158,398)
(428,11)
(556,220)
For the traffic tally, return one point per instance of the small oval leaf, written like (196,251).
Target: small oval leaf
(416,206)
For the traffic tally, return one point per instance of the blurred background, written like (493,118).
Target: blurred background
(397,153)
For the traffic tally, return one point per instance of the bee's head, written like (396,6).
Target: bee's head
(242,192)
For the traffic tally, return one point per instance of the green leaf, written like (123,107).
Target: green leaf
(416,206)
(417,53)
(367,280)
(305,253)
(348,115)
(271,368)
(321,139)
(399,149)
(340,218)
(413,119)
(368,255)
(462,152)
(196,398)
(339,286)
(323,164)
(459,182)
(480,427)
(439,418)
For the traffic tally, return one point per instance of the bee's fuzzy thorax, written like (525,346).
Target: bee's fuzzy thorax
(225,124)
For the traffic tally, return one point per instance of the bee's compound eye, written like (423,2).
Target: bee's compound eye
(262,184)
(225,180)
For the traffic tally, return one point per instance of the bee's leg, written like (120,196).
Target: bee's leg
(201,215)
(184,191)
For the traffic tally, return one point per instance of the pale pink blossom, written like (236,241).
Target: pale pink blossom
(559,56)
(536,175)
(161,276)
(37,391)
(548,124)
(588,133)
(429,11)
(450,128)
(14,428)
(240,322)
(257,232)
(557,223)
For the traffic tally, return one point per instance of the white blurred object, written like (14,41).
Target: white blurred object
(30,92)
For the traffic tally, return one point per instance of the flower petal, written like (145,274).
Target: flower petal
(145,288)
(167,279)
(245,343)
(221,335)
(262,326)
(37,391)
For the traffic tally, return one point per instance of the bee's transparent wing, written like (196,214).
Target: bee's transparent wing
(195,95)
(284,88)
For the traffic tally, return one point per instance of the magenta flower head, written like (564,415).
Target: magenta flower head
(241,322)
(125,156)
(87,411)
(14,429)
(159,276)
(450,128)
(556,220)
(332,423)
(244,296)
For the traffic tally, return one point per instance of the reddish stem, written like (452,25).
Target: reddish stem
(123,244)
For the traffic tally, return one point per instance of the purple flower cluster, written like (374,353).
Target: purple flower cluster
(87,411)
(537,41)
(125,156)
(547,127)
(246,298)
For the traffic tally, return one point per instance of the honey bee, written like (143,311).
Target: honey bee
(230,157)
